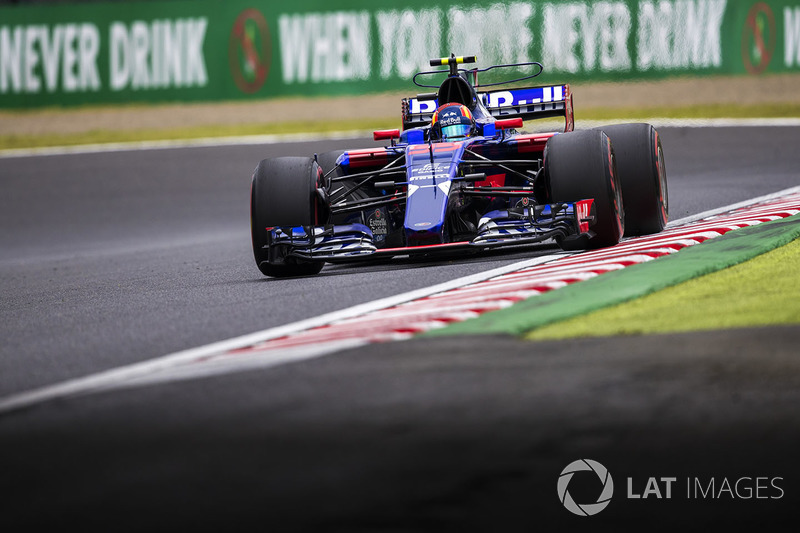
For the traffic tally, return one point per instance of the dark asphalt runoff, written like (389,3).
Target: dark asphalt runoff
(114,258)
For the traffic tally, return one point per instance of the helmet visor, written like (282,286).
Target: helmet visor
(456,131)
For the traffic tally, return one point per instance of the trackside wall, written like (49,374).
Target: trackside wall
(206,50)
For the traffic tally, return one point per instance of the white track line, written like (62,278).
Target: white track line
(335,135)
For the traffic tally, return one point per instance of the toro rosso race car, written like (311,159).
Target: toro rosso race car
(460,176)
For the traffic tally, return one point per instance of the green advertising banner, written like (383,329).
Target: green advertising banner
(206,50)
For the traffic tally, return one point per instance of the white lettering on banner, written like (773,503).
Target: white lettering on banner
(51,53)
(89,47)
(680,34)
(294,43)
(168,68)
(408,39)
(118,54)
(578,37)
(496,35)
(10,60)
(30,55)
(157,55)
(325,47)
(31,59)
(140,45)
(69,60)
(791,26)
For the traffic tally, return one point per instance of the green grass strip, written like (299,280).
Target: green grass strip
(198,132)
(40,140)
(759,292)
(632,282)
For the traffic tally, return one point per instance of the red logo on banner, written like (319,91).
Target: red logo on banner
(758,38)
(250,50)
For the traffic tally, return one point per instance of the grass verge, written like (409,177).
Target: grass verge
(762,291)
(278,128)
(200,132)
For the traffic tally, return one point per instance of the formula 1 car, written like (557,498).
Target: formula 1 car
(460,177)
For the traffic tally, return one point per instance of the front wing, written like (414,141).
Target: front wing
(566,223)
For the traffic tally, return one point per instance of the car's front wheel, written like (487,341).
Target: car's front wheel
(283,194)
(581,165)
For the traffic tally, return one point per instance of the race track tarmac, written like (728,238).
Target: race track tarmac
(110,259)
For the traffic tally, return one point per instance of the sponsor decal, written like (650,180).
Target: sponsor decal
(584,209)
(449,119)
(521,97)
(249,51)
(422,106)
(428,171)
(431,168)
(378,224)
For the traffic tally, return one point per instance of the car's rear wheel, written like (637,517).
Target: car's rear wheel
(581,165)
(283,194)
(643,175)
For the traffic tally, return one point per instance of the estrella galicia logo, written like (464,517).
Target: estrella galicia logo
(250,50)
(585,509)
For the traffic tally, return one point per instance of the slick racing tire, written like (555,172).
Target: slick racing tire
(580,165)
(283,194)
(640,163)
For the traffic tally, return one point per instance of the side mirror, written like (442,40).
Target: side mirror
(508,123)
(382,135)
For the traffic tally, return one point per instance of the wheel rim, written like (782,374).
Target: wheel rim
(617,190)
(662,182)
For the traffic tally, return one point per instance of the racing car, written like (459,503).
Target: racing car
(461,176)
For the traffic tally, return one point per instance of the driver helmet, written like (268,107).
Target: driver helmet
(452,122)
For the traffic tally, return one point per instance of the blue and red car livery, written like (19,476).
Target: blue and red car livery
(427,192)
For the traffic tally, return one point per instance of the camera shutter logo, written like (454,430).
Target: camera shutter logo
(585,509)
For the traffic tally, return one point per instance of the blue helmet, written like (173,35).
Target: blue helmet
(452,122)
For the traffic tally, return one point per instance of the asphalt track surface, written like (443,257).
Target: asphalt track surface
(114,258)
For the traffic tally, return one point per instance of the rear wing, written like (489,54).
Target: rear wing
(527,103)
